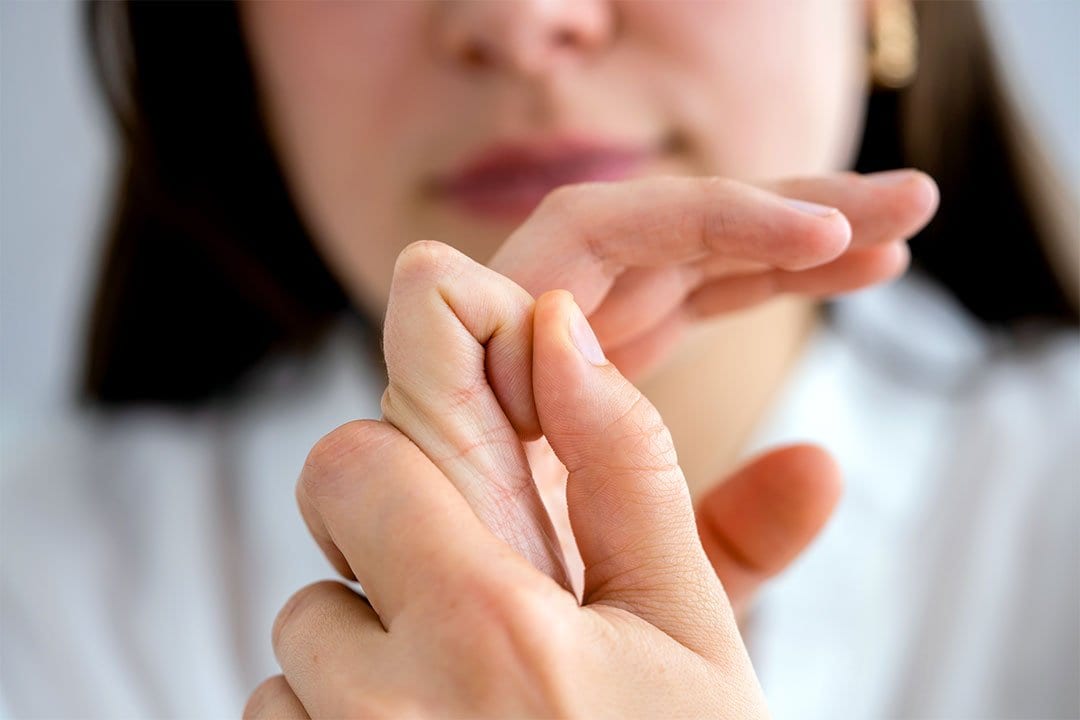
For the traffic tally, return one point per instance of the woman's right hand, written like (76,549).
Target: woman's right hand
(646,258)
(475,367)
(456,624)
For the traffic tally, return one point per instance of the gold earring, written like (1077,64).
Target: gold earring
(894,43)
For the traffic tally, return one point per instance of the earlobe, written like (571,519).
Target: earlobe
(894,42)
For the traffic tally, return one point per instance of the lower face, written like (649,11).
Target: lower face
(371,108)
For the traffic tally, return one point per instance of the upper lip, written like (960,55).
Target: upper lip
(505,160)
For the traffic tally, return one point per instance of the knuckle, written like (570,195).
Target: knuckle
(408,396)
(426,260)
(576,206)
(363,702)
(344,449)
(300,611)
(718,222)
(263,695)
(714,222)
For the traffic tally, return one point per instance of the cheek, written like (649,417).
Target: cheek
(356,106)
(768,88)
(338,86)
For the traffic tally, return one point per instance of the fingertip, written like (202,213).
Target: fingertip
(550,320)
(884,263)
(842,235)
(551,306)
(918,197)
(806,485)
(901,258)
(928,188)
(559,319)
(551,346)
(925,197)
(817,473)
(915,197)
(824,238)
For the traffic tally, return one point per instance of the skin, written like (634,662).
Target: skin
(487,389)
(639,72)
(461,625)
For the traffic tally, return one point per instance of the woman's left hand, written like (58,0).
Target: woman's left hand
(461,625)
(647,258)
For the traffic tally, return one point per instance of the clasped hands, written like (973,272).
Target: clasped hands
(470,608)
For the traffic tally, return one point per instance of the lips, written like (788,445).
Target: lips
(508,180)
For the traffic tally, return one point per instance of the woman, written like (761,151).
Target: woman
(257,198)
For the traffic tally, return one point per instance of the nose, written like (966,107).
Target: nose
(530,38)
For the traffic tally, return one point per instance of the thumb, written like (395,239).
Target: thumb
(628,502)
(759,518)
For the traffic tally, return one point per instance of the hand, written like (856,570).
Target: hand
(460,625)
(754,523)
(645,258)
(458,347)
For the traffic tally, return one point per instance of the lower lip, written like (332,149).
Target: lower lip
(515,196)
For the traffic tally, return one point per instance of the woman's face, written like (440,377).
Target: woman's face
(449,120)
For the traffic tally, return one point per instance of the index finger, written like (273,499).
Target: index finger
(600,229)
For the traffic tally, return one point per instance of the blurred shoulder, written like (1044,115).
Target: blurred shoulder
(128,533)
(89,449)
(960,446)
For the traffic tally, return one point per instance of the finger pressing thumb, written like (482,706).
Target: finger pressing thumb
(629,505)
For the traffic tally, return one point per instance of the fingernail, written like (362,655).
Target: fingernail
(811,208)
(890,177)
(583,337)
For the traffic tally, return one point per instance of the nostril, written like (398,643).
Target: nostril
(564,38)
(476,55)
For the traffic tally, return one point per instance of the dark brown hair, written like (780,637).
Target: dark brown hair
(209,268)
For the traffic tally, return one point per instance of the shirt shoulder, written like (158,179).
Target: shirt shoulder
(946,582)
(131,537)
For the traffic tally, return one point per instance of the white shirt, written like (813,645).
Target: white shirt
(947,585)
(145,554)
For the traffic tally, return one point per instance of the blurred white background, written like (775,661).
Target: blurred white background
(55,169)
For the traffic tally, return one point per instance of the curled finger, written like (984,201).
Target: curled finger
(273,699)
